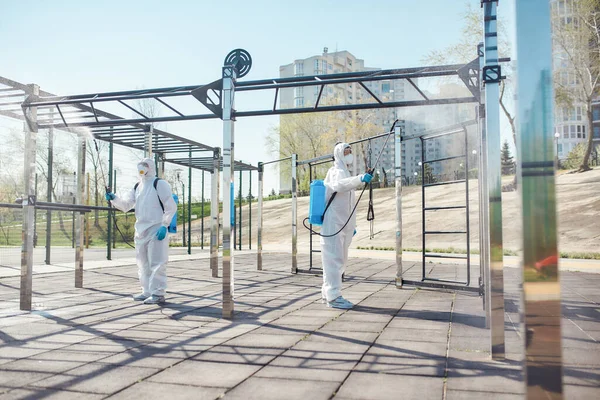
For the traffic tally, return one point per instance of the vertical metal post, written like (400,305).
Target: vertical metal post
(228,92)
(468,225)
(492,119)
(484,209)
(541,286)
(149,143)
(260,217)
(295,214)
(250,210)
(28,202)
(310,234)
(109,219)
(240,213)
(114,236)
(49,186)
(80,199)
(423,223)
(398,189)
(35,213)
(189,210)
(214,214)
(202,216)
(87,215)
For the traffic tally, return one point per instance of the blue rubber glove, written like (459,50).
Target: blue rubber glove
(366,178)
(162,233)
(109,196)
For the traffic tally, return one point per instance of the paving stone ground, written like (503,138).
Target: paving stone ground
(96,343)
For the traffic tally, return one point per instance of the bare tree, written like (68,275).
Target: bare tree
(98,166)
(576,33)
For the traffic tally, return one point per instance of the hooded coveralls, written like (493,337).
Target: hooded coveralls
(151,254)
(334,250)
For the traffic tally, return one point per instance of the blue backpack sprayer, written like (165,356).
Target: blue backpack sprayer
(317,206)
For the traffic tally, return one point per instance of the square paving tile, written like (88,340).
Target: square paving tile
(205,373)
(369,386)
(162,391)
(486,380)
(96,378)
(276,389)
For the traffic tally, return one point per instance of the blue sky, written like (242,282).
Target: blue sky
(70,47)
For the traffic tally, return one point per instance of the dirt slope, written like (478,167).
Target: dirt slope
(578,216)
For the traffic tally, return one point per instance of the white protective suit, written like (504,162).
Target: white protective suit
(334,250)
(151,254)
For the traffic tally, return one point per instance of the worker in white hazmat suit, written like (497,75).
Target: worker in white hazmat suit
(154,210)
(334,250)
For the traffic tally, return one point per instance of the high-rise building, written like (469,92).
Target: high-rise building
(570,123)
(351,93)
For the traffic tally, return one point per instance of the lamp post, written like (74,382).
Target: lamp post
(556,136)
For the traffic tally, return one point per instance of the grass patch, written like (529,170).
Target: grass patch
(580,255)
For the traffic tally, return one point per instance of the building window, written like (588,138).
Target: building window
(385,87)
(579,114)
(560,150)
(316,65)
(573,131)
(299,68)
(596,113)
(565,130)
(578,131)
(300,102)
(597,132)
(299,92)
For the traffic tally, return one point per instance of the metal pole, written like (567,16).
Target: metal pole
(214,215)
(35,213)
(260,217)
(28,202)
(484,209)
(398,187)
(189,210)
(109,219)
(87,215)
(49,187)
(183,237)
(250,210)
(541,286)
(240,214)
(295,215)
(150,137)
(228,92)
(80,199)
(492,119)
(202,216)
(310,234)
(114,236)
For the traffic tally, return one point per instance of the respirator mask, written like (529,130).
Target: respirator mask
(143,169)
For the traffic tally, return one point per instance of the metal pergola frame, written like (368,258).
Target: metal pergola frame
(165,146)
(535,163)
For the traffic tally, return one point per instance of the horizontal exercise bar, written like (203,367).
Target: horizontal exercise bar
(444,208)
(444,183)
(444,159)
(430,255)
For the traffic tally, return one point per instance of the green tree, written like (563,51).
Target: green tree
(506,159)
(575,157)
(576,36)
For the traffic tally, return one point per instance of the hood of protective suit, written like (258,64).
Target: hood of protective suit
(151,169)
(338,156)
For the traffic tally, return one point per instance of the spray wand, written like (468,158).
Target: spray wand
(369,171)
